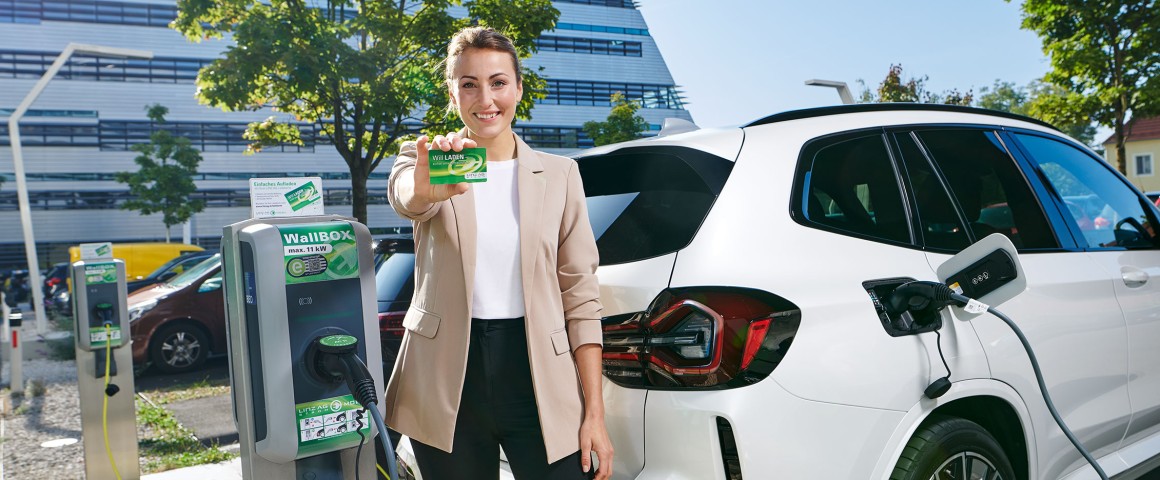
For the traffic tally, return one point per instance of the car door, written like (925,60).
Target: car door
(1116,226)
(1069,312)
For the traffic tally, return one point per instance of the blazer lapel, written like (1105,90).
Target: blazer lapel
(532,188)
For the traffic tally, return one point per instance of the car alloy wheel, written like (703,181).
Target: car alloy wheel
(967,465)
(179,348)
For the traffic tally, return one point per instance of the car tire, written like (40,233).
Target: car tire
(178,348)
(948,447)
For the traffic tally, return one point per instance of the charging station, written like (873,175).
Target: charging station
(105,369)
(299,290)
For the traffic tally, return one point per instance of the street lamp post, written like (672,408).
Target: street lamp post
(843,89)
(18,162)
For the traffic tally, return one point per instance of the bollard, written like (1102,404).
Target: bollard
(16,350)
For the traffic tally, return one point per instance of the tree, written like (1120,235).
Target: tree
(1036,100)
(623,123)
(164,181)
(1106,55)
(894,89)
(366,71)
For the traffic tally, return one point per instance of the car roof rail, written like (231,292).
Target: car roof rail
(888,107)
(673,126)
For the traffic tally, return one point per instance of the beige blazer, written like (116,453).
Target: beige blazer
(561,299)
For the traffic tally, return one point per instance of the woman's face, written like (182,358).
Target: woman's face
(485,92)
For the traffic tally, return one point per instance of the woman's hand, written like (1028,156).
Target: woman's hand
(594,438)
(425,192)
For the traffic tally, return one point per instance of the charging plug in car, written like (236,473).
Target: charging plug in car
(927,298)
(337,360)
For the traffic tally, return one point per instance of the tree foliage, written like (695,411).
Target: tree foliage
(1037,99)
(1106,57)
(368,72)
(894,89)
(622,125)
(164,180)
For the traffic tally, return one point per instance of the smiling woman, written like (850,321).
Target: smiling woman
(485,359)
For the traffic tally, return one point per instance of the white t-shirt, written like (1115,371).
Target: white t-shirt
(498,289)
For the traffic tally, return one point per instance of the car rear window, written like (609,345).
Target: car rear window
(645,202)
(395,278)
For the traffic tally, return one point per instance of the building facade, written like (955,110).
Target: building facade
(1143,151)
(78,134)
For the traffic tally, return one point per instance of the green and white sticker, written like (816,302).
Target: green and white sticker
(99,273)
(98,335)
(286,197)
(329,423)
(319,252)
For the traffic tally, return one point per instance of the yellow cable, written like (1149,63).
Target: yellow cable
(380,467)
(105,409)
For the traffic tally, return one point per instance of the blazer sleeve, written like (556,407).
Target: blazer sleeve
(401,185)
(576,262)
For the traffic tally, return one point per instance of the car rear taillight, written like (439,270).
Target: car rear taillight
(700,338)
(52,282)
(391,323)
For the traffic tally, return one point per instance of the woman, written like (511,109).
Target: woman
(503,336)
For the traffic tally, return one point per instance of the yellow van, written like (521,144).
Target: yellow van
(141,259)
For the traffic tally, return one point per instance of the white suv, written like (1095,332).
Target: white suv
(741,272)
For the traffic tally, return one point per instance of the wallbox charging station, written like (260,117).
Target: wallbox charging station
(291,282)
(105,369)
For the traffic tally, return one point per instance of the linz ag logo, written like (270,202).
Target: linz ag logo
(980,278)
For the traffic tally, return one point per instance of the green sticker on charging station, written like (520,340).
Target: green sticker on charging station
(100,273)
(326,424)
(98,336)
(319,252)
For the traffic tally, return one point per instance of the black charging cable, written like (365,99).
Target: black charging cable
(919,294)
(338,359)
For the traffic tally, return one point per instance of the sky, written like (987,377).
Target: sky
(740,60)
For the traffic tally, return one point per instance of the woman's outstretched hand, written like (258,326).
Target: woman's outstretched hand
(425,192)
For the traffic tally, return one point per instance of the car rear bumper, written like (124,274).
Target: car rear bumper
(777,435)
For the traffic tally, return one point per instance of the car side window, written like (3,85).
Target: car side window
(990,189)
(1104,208)
(851,186)
(211,284)
(941,225)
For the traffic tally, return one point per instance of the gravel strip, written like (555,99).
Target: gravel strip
(30,421)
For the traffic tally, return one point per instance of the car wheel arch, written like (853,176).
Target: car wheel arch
(987,402)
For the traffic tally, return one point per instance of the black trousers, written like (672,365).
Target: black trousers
(498,408)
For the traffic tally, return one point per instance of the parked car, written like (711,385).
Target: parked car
(16,287)
(142,258)
(395,283)
(740,271)
(176,325)
(1154,197)
(170,269)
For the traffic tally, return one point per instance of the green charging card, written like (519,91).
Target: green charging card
(469,165)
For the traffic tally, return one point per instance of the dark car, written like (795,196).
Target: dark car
(395,282)
(16,287)
(177,324)
(170,269)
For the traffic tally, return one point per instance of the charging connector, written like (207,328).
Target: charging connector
(338,360)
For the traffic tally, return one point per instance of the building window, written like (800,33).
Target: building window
(553,137)
(603,3)
(582,27)
(1144,165)
(596,46)
(28,64)
(20,11)
(573,92)
(113,199)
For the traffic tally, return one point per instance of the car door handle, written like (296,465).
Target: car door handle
(1134,277)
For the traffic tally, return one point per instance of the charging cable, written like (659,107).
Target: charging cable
(338,360)
(110,390)
(937,295)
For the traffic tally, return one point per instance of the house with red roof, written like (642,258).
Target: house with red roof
(1143,151)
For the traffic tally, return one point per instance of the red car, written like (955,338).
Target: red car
(177,324)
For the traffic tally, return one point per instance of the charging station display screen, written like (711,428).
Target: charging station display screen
(101,285)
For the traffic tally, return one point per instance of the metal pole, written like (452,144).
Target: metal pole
(18,164)
(843,89)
